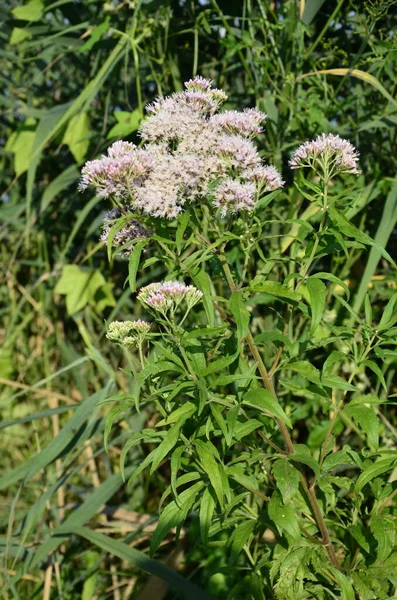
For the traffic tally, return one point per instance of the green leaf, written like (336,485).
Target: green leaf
(382,530)
(211,468)
(366,418)
(32,11)
(203,281)
(334,381)
(133,263)
(175,514)
(76,135)
(267,403)
(317,292)
(20,143)
(302,455)
(185,411)
(142,561)
(374,470)
(306,369)
(207,508)
(389,315)
(127,122)
(195,351)
(112,416)
(166,445)
(284,517)
(375,369)
(335,460)
(311,9)
(357,531)
(287,479)
(240,314)
(239,539)
(346,588)
(332,279)
(350,230)
(274,289)
(79,285)
(182,223)
(219,365)
(19,35)
(96,33)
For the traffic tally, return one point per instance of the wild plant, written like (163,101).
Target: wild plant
(249,332)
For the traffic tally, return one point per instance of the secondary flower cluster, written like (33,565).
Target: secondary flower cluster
(168,295)
(131,231)
(188,146)
(329,153)
(128,333)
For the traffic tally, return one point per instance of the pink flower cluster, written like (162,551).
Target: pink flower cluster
(167,295)
(328,152)
(189,148)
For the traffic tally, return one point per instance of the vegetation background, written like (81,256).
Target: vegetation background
(75,76)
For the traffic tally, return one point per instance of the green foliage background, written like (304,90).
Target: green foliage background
(75,77)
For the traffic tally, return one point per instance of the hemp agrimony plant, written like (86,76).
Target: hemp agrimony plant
(248,333)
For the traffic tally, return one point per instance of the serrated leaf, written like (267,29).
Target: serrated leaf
(302,455)
(306,369)
(350,230)
(239,538)
(366,418)
(166,445)
(333,279)
(381,529)
(346,588)
(184,411)
(133,263)
(207,508)
(211,468)
(389,315)
(240,314)
(284,517)
(274,289)
(287,479)
(335,459)
(267,403)
(317,292)
(174,515)
(374,470)
(112,416)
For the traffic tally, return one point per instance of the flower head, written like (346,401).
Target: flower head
(233,196)
(128,333)
(267,177)
(330,153)
(246,123)
(167,295)
(189,147)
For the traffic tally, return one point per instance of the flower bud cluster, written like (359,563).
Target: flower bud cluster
(168,295)
(189,148)
(329,153)
(128,333)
